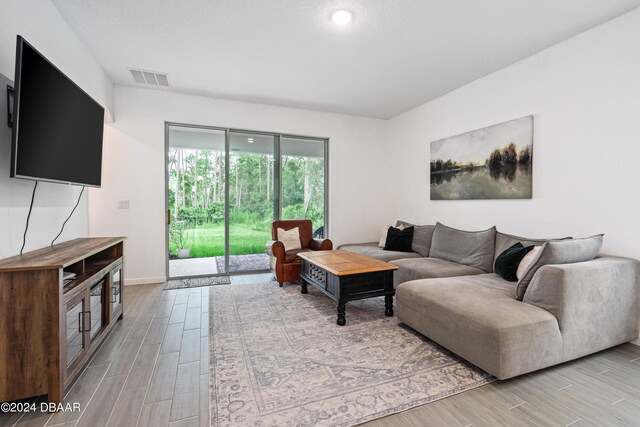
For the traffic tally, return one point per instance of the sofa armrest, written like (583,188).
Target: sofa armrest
(320,245)
(275,248)
(597,303)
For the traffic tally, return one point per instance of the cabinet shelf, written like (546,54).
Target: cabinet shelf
(91,271)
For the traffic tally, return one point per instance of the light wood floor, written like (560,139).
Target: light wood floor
(153,371)
(598,390)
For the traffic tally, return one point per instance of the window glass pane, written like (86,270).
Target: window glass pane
(302,179)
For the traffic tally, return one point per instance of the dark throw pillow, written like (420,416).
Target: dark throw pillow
(399,240)
(507,262)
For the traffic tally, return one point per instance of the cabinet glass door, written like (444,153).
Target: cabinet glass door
(116,291)
(96,304)
(75,328)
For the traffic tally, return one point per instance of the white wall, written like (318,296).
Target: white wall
(134,165)
(53,202)
(585,96)
(41,24)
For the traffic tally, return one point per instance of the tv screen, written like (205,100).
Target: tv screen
(57,127)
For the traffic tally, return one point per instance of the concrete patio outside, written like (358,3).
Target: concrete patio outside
(215,265)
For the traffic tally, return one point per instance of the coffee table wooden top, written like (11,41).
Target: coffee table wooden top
(344,263)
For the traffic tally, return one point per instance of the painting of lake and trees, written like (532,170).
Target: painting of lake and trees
(489,163)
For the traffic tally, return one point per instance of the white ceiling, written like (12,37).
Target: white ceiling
(395,55)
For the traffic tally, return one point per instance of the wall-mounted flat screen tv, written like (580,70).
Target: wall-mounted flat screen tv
(57,127)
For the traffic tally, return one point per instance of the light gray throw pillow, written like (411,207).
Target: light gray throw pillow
(422,235)
(472,248)
(560,252)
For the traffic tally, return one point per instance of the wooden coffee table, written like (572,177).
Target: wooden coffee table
(346,276)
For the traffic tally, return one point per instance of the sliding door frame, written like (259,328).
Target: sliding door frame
(167,146)
(277,200)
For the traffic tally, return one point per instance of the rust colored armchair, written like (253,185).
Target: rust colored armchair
(286,265)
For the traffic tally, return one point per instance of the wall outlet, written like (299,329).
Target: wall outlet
(123,204)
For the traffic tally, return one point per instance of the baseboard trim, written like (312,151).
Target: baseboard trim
(145,281)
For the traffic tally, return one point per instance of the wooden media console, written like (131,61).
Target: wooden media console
(49,329)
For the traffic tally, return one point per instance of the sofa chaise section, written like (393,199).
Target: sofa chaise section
(596,302)
(569,311)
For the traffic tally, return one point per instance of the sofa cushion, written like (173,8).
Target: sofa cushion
(399,239)
(508,261)
(422,235)
(478,318)
(472,248)
(372,250)
(424,268)
(560,252)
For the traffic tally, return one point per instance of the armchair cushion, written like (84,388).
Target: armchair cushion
(292,255)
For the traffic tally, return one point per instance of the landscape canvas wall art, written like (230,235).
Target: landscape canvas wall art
(494,162)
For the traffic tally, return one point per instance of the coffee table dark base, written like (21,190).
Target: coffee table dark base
(352,287)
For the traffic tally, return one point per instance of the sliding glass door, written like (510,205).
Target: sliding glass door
(224,189)
(252,195)
(196,171)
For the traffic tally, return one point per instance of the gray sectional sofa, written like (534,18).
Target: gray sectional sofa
(569,303)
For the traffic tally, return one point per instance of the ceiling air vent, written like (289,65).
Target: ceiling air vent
(149,77)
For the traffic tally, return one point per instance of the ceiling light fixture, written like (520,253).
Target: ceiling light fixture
(250,140)
(341,17)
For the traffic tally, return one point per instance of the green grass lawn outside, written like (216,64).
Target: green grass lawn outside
(207,240)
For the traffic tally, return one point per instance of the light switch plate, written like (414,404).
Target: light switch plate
(123,204)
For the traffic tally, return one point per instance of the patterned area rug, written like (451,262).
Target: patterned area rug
(277,358)
(251,262)
(196,282)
